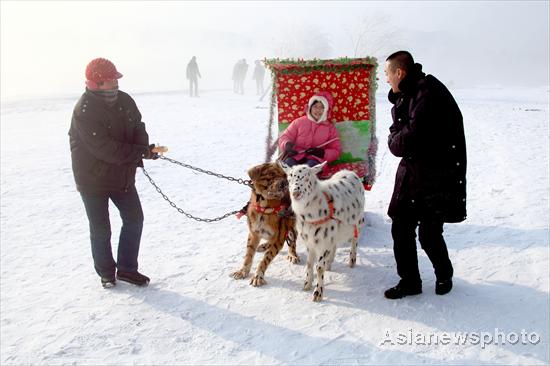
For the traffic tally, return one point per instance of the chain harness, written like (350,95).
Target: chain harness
(247,183)
(271,146)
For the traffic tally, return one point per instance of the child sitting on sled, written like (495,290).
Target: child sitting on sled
(311,139)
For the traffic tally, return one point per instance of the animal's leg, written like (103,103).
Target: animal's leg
(274,246)
(330,259)
(309,270)
(353,252)
(362,224)
(251,246)
(321,264)
(291,242)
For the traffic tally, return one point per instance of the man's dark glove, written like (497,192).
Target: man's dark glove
(150,154)
(289,149)
(316,151)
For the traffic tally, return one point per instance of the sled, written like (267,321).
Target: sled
(352,83)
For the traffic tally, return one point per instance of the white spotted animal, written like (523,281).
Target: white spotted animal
(328,213)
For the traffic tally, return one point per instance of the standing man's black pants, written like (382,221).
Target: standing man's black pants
(430,235)
(131,213)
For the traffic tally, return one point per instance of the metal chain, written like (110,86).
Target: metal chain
(240,181)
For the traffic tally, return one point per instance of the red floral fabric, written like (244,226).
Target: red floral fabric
(350,90)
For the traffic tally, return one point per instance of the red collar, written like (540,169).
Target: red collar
(269,210)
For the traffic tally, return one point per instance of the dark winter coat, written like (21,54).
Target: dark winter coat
(107,143)
(428,134)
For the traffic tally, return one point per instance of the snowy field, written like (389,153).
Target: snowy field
(54,310)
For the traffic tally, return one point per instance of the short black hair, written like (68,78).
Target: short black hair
(402,60)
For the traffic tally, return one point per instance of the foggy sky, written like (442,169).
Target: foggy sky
(46,45)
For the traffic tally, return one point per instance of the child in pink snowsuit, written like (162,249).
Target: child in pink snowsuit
(312,139)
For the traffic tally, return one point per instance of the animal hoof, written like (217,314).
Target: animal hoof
(352,262)
(317,296)
(293,259)
(261,248)
(239,275)
(257,281)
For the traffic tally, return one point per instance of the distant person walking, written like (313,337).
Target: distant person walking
(259,74)
(430,185)
(108,141)
(235,76)
(239,74)
(193,75)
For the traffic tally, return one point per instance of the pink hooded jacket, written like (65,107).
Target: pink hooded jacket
(306,133)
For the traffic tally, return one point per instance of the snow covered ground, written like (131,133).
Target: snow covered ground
(54,310)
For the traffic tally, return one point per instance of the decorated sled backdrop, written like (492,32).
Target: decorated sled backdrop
(352,83)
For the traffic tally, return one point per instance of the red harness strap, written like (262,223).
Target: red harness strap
(330,216)
(264,210)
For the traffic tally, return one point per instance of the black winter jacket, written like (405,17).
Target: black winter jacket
(107,143)
(428,134)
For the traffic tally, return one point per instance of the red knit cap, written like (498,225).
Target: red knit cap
(100,70)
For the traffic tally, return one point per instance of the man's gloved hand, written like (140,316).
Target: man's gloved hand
(289,149)
(316,151)
(150,154)
(153,152)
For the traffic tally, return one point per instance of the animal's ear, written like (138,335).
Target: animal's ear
(255,172)
(318,168)
(285,167)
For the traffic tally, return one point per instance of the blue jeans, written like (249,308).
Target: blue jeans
(292,162)
(131,213)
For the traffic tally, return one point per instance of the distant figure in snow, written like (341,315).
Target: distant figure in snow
(313,138)
(108,141)
(239,74)
(193,74)
(430,185)
(235,77)
(259,74)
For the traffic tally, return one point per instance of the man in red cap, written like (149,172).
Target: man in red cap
(108,142)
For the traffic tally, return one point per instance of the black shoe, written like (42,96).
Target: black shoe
(108,282)
(443,287)
(135,278)
(403,289)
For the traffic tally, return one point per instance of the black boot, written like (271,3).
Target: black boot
(443,287)
(135,278)
(108,282)
(403,289)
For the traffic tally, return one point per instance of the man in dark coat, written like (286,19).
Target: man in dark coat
(193,74)
(108,141)
(430,185)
